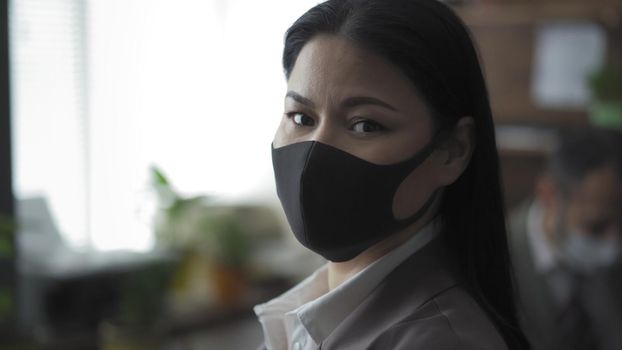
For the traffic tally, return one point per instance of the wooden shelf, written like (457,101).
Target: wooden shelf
(608,13)
(505,36)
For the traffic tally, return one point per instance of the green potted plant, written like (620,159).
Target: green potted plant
(226,246)
(606,86)
(207,236)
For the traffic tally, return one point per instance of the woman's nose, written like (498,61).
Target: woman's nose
(327,131)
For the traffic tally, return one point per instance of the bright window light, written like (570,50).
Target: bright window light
(192,86)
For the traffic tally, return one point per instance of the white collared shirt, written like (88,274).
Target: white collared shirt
(305,316)
(546,257)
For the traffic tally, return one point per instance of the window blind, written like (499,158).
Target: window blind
(50,129)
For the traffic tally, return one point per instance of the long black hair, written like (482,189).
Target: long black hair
(431,45)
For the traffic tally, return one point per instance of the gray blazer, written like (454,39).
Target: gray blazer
(419,305)
(538,311)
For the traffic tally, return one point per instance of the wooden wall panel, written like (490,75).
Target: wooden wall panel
(505,36)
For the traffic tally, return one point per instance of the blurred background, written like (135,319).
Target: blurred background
(137,204)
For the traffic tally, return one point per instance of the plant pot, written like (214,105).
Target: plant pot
(230,283)
(606,114)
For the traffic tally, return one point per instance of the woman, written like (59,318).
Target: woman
(386,165)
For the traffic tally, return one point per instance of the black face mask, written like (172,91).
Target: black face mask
(337,204)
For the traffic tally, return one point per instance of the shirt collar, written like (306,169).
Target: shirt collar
(545,258)
(272,313)
(321,310)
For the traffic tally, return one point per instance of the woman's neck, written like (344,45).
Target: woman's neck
(339,272)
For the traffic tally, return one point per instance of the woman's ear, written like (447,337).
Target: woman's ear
(456,151)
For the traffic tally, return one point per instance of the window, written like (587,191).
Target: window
(103,89)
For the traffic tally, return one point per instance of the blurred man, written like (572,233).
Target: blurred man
(566,243)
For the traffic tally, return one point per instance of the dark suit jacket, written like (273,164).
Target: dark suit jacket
(540,315)
(419,305)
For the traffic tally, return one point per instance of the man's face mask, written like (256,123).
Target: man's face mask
(337,204)
(582,251)
(587,253)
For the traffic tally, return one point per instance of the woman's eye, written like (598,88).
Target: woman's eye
(301,119)
(367,126)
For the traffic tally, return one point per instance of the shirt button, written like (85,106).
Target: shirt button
(297,346)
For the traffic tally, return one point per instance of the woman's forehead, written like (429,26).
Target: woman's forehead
(329,67)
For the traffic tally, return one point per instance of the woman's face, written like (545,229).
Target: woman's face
(351,99)
(354,100)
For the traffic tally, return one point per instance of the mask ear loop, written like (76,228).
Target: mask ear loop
(422,154)
(440,136)
(419,213)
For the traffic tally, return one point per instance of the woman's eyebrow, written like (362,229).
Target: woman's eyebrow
(300,99)
(355,101)
(349,102)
